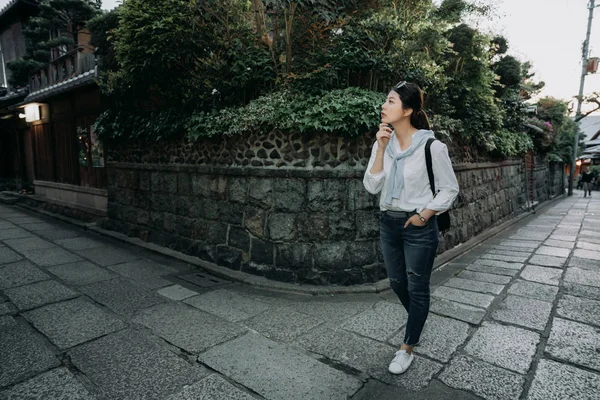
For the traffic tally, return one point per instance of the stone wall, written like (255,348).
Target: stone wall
(304,224)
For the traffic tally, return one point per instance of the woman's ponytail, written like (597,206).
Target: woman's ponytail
(419,120)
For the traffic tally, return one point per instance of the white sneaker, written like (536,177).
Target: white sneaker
(401,362)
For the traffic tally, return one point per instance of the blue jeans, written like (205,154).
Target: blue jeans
(408,254)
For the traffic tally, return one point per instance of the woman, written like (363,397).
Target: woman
(408,226)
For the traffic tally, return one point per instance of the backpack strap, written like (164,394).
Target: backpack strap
(429,164)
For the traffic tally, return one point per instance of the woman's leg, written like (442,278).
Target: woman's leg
(420,247)
(393,256)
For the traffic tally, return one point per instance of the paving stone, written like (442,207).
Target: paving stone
(277,372)
(458,311)
(520,243)
(485,380)
(127,366)
(583,277)
(57,384)
(23,354)
(6,308)
(14,233)
(228,304)
(584,263)
(440,338)
(24,220)
(591,239)
(498,264)
(121,296)
(176,292)
(29,243)
(505,258)
(435,391)
(510,252)
(493,270)
(474,286)
(79,243)
(484,277)
(56,234)
(507,249)
(549,276)
(212,387)
(559,243)
(548,261)
(19,274)
(332,310)
(37,226)
(52,256)
(7,322)
(282,324)
(576,289)
(575,342)
(81,273)
(530,235)
(38,294)
(529,313)
(566,238)
(534,290)
(588,233)
(188,328)
(559,381)
(580,309)
(6,225)
(8,256)
(589,254)
(105,258)
(463,296)
(378,323)
(588,246)
(73,322)
(420,373)
(145,272)
(505,346)
(553,251)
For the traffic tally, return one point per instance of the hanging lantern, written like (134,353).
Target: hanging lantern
(592,65)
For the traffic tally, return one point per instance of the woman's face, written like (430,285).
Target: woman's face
(392,110)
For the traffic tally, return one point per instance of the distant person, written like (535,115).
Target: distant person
(408,227)
(587,178)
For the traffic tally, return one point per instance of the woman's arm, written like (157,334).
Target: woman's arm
(445,181)
(375,175)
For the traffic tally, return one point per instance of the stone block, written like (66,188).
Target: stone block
(460,311)
(484,277)
(294,255)
(589,254)
(367,224)
(254,221)
(31,243)
(38,294)
(228,305)
(122,296)
(492,270)
(19,274)
(575,342)
(579,309)
(186,327)
(58,383)
(327,195)
(261,192)
(534,290)
(73,322)
(555,380)
(184,184)
(229,257)
(277,372)
(282,226)
(462,296)
(505,346)
(313,226)
(230,213)
(212,387)
(24,354)
(549,276)
(378,323)
(105,258)
(583,277)
(474,286)
(8,256)
(548,261)
(261,251)
(238,189)
(331,256)
(341,226)
(362,253)
(282,324)
(529,313)
(485,380)
(111,362)
(291,195)
(498,263)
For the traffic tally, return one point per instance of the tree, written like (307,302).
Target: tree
(56,28)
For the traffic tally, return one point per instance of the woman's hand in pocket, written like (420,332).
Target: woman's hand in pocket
(414,220)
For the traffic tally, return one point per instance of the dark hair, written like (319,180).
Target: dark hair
(411,96)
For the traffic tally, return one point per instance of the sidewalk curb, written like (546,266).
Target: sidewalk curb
(264,283)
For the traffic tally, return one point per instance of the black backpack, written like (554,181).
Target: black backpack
(444,218)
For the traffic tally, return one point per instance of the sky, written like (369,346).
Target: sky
(548,33)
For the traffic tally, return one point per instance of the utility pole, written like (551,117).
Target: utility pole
(584,60)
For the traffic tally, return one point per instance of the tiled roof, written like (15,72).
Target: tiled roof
(79,80)
(7,6)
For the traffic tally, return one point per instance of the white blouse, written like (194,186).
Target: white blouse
(416,191)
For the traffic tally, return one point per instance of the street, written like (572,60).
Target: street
(84,316)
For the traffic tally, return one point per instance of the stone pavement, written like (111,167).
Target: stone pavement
(87,317)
